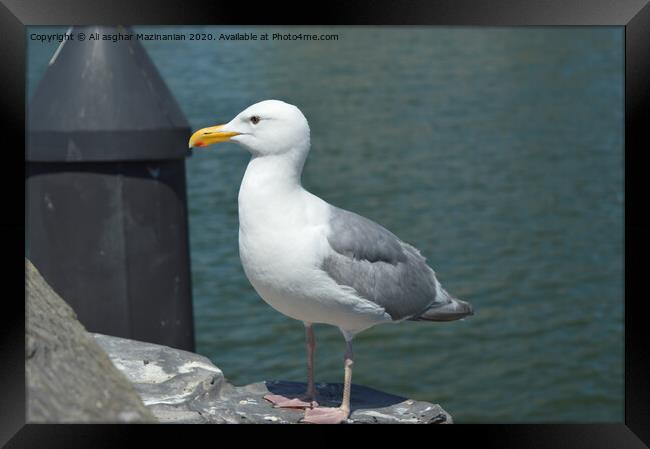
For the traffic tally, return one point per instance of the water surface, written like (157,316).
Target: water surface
(498,152)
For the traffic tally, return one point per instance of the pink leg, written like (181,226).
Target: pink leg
(311,350)
(308,400)
(335,415)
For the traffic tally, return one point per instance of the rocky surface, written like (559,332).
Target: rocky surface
(69,377)
(182,387)
(74,376)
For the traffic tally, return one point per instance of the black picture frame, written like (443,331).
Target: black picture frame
(633,15)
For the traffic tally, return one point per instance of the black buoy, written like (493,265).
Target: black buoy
(106,192)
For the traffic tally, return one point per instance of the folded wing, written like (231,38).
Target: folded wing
(380,267)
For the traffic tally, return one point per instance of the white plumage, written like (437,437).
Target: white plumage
(312,261)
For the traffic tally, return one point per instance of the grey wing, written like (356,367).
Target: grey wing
(379,266)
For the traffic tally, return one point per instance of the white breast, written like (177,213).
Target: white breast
(282,242)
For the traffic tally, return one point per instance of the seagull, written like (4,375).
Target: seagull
(315,262)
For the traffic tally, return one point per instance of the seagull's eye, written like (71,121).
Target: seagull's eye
(255,120)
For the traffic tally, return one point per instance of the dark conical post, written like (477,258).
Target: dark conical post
(106,194)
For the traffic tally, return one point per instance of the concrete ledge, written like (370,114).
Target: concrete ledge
(75,376)
(182,387)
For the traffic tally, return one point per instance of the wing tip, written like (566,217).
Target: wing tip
(455,310)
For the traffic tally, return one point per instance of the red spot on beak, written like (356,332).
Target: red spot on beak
(199,144)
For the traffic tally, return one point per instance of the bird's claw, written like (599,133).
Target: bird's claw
(280,401)
(326,415)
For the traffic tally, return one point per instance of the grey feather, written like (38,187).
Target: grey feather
(383,269)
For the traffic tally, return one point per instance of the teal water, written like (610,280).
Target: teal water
(498,152)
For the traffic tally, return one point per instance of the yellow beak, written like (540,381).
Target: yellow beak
(208,136)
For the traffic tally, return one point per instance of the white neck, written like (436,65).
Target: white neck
(282,171)
(271,185)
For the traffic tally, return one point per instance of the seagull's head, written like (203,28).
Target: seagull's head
(269,127)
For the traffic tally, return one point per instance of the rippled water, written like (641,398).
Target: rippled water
(498,152)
